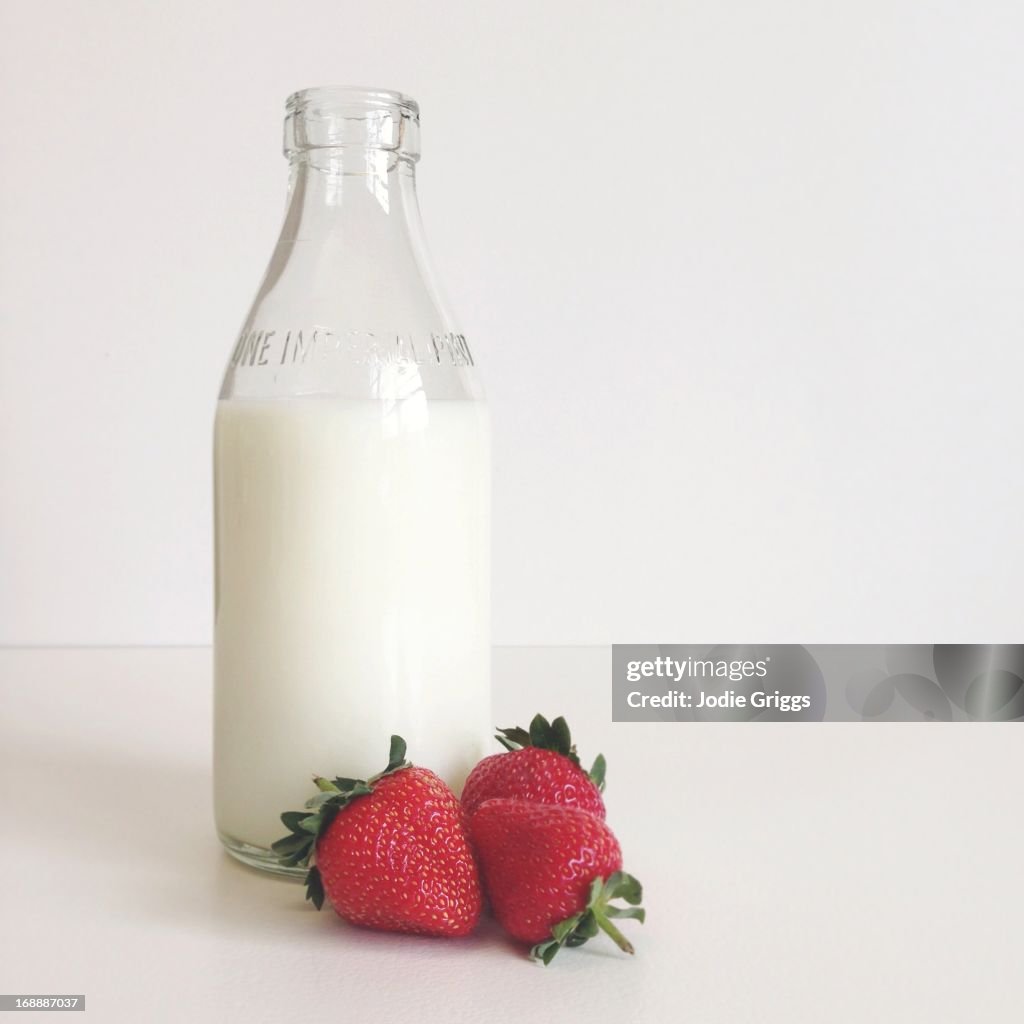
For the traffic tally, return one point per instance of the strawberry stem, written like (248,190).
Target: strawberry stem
(596,916)
(614,934)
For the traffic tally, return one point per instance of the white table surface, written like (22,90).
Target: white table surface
(793,872)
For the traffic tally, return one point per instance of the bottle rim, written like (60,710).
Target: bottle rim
(346,116)
(343,96)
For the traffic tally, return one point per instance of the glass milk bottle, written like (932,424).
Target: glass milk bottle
(352,484)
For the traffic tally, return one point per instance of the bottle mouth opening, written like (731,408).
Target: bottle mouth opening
(343,116)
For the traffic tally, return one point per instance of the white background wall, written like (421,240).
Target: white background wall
(744,280)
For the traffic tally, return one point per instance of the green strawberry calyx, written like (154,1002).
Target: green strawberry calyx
(596,916)
(298,848)
(551,736)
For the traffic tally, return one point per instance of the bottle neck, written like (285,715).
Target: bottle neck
(363,194)
(349,305)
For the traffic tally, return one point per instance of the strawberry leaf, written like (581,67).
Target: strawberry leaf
(558,736)
(291,843)
(291,860)
(621,886)
(291,820)
(540,733)
(396,756)
(298,848)
(638,913)
(343,783)
(553,736)
(564,929)
(513,738)
(315,887)
(545,951)
(326,796)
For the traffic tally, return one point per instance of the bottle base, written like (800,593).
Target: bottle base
(259,858)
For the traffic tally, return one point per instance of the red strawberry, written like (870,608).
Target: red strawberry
(391,852)
(551,874)
(541,766)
